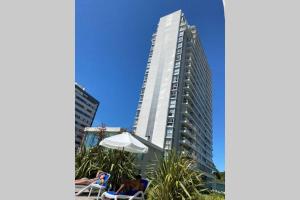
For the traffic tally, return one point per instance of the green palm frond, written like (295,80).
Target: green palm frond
(174,179)
(118,163)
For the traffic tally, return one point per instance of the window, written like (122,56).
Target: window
(174,86)
(179,51)
(140,156)
(89,110)
(77,110)
(173,102)
(180,39)
(168,141)
(173,94)
(168,144)
(177,64)
(139,106)
(178,57)
(82,100)
(179,45)
(171,113)
(78,104)
(169,132)
(175,79)
(176,71)
(181,33)
(170,121)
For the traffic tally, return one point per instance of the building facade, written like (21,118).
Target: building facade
(93,135)
(85,109)
(175,105)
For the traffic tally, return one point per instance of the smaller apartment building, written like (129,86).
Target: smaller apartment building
(85,109)
(93,135)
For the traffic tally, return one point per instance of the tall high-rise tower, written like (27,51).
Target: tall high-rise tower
(175,105)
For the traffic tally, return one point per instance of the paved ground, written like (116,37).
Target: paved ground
(85,198)
(84,195)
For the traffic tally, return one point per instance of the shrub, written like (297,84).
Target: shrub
(119,164)
(174,179)
(85,164)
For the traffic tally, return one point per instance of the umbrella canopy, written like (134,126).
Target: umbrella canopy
(124,141)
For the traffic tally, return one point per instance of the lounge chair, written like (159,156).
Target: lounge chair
(96,185)
(140,195)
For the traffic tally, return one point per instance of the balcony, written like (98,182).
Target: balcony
(187,133)
(189,153)
(188,80)
(187,104)
(193,155)
(189,123)
(186,142)
(189,144)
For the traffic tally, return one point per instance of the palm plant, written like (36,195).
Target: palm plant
(119,164)
(175,178)
(85,164)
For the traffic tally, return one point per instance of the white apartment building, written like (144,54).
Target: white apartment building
(175,105)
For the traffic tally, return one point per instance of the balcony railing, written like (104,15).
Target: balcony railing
(187,133)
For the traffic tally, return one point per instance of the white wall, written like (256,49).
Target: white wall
(158,86)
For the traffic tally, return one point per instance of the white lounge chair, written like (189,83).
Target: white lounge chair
(95,185)
(140,195)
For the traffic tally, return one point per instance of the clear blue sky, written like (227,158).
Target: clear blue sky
(112,46)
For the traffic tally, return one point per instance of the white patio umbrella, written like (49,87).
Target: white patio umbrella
(124,141)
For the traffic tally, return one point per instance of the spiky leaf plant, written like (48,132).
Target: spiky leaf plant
(85,164)
(174,178)
(119,164)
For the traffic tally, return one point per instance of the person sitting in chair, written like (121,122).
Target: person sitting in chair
(85,181)
(130,187)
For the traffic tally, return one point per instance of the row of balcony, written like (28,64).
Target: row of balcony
(191,81)
(191,106)
(191,135)
(200,59)
(186,113)
(194,67)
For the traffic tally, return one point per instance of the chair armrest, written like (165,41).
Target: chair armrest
(138,193)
